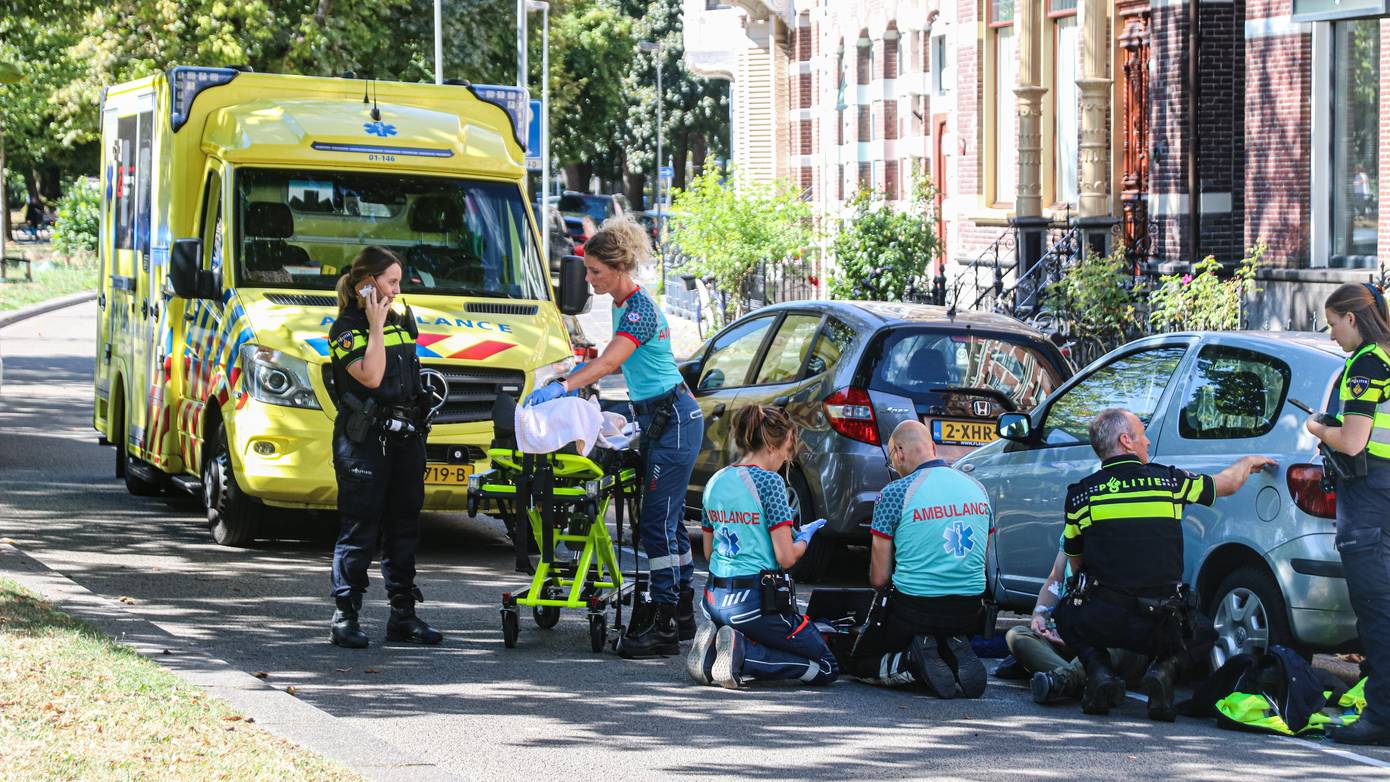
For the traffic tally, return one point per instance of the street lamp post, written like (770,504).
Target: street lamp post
(650,46)
(544,7)
(438,42)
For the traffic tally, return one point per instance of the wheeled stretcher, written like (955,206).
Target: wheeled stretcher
(560,501)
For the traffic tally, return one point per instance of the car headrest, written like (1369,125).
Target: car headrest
(928,367)
(436,214)
(269,220)
(1241,394)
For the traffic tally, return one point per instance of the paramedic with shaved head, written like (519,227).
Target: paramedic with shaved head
(930,529)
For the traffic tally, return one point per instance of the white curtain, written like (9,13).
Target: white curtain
(1006,116)
(1067,96)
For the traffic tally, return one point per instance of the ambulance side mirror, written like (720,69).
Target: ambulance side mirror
(575,294)
(189,281)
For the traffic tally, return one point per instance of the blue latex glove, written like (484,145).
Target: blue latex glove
(808,531)
(546,393)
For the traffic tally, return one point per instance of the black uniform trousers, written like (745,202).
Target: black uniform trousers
(1096,626)
(906,617)
(381,489)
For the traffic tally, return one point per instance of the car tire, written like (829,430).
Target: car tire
(135,483)
(816,560)
(1248,613)
(233,516)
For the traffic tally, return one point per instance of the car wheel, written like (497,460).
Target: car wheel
(136,479)
(816,560)
(1248,614)
(232,515)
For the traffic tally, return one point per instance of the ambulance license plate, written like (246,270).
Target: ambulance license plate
(949,431)
(439,474)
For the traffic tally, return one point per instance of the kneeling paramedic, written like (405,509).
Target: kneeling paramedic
(378,449)
(672,430)
(1123,536)
(755,630)
(930,530)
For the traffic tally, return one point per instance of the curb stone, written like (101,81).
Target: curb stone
(24,313)
(277,711)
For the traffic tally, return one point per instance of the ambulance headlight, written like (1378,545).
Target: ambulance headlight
(548,372)
(277,378)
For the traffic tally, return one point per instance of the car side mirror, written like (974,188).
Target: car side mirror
(189,281)
(690,370)
(575,294)
(1016,427)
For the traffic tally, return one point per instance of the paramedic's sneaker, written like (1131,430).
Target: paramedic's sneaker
(728,658)
(924,658)
(700,662)
(968,669)
(1363,731)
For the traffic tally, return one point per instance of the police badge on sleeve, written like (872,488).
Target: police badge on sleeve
(1358,386)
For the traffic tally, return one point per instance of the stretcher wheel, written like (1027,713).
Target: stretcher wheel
(546,616)
(598,631)
(511,628)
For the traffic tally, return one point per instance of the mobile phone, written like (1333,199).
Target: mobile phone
(365,289)
(1300,406)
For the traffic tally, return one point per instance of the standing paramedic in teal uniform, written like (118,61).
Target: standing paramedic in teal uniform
(755,630)
(930,530)
(672,430)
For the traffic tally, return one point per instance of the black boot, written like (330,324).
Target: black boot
(655,639)
(404,625)
(1104,690)
(344,631)
(1158,685)
(685,614)
(1055,686)
(1363,731)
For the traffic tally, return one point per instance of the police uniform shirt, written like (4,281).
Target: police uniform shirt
(651,370)
(347,341)
(743,504)
(1365,391)
(939,521)
(1126,520)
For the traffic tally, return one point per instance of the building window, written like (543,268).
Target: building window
(1067,98)
(1001,30)
(938,64)
(1355,141)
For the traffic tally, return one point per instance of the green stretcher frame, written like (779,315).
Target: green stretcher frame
(596,577)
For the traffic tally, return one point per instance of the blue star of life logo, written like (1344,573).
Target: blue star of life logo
(959,538)
(379,128)
(726,541)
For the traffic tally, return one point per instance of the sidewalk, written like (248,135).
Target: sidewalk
(598,321)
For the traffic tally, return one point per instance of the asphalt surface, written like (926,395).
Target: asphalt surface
(549,706)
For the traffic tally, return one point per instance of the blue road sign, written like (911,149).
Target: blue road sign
(533,131)
(666,172)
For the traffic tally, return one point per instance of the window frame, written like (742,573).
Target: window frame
(993,27)
(1244,354)
(1052,192)
(800,373)
(1041,413)
(755,361)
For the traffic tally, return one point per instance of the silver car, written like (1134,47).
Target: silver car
(848,373)
(1263,559)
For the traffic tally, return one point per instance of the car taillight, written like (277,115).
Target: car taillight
(585,352)
(852,415)
(1305,486)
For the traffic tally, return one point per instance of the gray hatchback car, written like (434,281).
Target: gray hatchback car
(849,372)
(1263,559)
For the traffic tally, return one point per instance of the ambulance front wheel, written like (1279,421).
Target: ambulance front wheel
(232,515)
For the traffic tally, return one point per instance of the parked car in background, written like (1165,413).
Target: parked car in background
(848,373)
(1263,559)
(560,242)
(597,206)
(651,220)
(580,228)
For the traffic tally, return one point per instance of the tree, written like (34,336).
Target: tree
(726,233)
(591,52)
(881,252)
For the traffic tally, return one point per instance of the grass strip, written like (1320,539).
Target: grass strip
(52,278)
(76,705)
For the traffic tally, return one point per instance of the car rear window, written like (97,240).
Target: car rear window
(914,363)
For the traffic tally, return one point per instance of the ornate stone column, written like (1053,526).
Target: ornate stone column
(1094,218)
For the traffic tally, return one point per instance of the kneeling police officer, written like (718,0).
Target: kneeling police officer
(1124,538)
(378,449)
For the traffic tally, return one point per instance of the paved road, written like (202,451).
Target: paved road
(549,705)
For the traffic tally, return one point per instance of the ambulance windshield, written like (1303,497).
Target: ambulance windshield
(300,229)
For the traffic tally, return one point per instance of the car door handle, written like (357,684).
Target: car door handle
(781,401)
(718,410)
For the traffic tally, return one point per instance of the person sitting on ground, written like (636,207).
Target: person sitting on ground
(930,530)
(755,629)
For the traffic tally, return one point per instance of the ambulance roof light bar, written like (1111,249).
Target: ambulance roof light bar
(186,82)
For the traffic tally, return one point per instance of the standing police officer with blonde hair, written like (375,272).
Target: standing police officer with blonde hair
(1123,535)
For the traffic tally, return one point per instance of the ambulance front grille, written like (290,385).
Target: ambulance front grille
(473,390)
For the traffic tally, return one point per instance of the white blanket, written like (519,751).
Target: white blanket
(548,427)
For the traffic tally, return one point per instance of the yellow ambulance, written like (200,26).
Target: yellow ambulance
(232,201)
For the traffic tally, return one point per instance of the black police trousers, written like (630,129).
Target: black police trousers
(906,617)
(1095,627)
(381,488)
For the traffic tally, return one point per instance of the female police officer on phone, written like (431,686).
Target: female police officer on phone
(1360,325)
(378,449)
(672,429)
